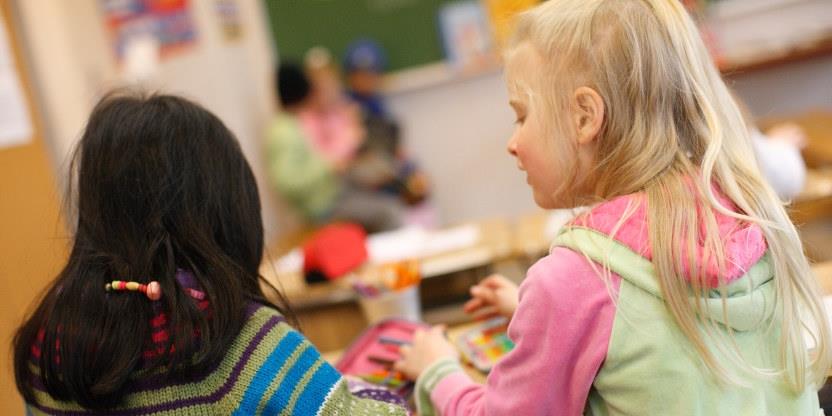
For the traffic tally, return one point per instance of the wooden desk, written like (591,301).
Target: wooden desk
(811,48)
(494,244)
(534,232)
(815,201)
(811,211)
(823,272)
(817,125)
(818,185)
(328,312)
(529,235)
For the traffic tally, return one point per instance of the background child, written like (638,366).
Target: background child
(778,153)
(383,150)
(684,289)
(364,64)
(317,186)
(333,122)
(166,201)
(375,154)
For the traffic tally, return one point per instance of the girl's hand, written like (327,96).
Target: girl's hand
(495,295)
(426,348)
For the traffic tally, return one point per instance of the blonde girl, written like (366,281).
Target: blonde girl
(684,290)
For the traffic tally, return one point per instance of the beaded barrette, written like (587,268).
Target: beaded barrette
(152,290)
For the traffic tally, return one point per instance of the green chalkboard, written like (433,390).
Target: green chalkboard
(407,29)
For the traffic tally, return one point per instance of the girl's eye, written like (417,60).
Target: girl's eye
(520,120)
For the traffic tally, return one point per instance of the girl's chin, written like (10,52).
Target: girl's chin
(543,201)
(550,202)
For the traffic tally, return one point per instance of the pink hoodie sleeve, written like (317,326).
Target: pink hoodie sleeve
(561,331)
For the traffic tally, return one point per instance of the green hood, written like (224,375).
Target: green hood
(749,299)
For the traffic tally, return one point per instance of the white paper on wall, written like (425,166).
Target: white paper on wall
(15,123)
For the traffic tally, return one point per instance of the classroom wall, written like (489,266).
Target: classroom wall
(33,245)
(787,90)
(457,129)
(232,79)
(745,29)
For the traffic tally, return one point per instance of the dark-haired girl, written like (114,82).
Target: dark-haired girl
(159,309)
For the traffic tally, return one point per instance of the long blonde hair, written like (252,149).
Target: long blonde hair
(673,132)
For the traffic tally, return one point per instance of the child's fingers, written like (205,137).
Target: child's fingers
(486,295)
(417,336)
(404,351)
(490,281)
(399,366)
(472,305)
(494,281)
(485,313)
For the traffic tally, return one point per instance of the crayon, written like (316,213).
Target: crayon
(394,341)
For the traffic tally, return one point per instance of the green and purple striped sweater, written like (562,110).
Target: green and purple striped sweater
(269,369)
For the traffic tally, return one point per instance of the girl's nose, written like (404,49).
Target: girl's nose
(512,146)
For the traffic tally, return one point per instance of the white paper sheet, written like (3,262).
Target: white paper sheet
(15,123)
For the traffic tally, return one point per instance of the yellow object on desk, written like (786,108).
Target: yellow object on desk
(375,280)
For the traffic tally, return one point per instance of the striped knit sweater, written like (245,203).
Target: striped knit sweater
(269,369)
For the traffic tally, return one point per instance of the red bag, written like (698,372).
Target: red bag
(334,251)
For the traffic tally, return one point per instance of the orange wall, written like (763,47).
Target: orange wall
(32,236)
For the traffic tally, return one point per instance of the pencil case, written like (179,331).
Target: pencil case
(371,355)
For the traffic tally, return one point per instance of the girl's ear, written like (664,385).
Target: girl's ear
(587,114)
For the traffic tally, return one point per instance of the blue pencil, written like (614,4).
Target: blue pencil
(390,340)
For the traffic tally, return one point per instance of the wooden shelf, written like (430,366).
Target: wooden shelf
(796,53)
(433,75)
(441,73)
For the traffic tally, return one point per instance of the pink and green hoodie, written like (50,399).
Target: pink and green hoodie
(585,347)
